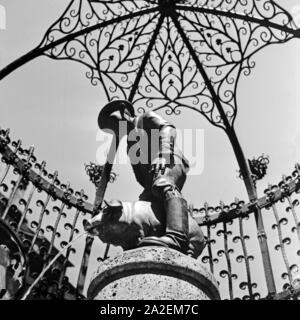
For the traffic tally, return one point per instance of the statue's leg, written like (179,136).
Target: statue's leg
(167,188)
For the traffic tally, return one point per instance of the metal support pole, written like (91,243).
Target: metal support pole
(252,193)
(241,159)
(100,191)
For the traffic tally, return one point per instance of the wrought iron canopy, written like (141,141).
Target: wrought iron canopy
(164,54)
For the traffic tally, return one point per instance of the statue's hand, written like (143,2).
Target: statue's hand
(159,166)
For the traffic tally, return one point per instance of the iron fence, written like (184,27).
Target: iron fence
(46,215)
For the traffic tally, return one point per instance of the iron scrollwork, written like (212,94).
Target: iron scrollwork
(94,171)
(223,34)
(258,167)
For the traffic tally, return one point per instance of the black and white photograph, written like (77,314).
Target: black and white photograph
(150,151)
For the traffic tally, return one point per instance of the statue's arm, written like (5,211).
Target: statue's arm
(167,132)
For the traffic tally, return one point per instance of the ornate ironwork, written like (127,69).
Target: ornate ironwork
(171,55)
(225,225)
(167,55)
(136,49)
(258,167)
(140,50)
(94,171)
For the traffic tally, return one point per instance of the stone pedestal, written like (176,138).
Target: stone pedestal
(152,273)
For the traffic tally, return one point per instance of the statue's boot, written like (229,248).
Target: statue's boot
(176,236)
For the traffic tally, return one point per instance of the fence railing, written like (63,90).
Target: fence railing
(47,214)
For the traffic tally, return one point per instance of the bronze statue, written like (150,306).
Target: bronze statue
(162,171)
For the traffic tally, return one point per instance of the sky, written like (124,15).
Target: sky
(51,105)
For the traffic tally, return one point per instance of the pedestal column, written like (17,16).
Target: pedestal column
(152,273)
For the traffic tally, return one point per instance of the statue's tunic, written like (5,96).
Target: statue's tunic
(143,147)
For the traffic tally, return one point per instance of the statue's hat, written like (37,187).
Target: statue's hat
(111,107)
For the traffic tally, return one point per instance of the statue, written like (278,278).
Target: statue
(161,170)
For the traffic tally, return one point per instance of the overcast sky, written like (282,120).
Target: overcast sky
(52,105)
